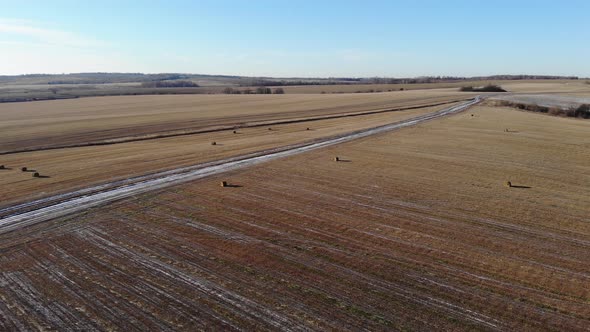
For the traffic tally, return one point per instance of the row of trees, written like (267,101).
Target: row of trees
(170,84)
(103,78)
(273,82)
(580,111)
(443,79)
(487,88)
(391,80)
(260,90)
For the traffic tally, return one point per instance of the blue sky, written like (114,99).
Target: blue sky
(297,38)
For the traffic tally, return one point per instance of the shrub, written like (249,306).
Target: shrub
(536,108)
(24,169)
(487,88)
(556,111)
(583,111)
(36,175)
(492,88)
(263,90)
(279,91)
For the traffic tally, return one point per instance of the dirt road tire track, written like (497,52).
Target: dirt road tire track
(26,214)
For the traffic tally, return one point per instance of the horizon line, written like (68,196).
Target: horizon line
(530,76)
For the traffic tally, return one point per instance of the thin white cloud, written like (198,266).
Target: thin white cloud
(35,32)
(30,47)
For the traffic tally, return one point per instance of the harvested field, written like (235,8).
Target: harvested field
(362,88)
(413,230)
(579,88)
(30,89)
(61,122)
(517,86)
(73,168)
(547,100)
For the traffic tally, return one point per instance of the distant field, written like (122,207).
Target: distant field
(547,100)
(512,86)
(37,88)
(74,168)
(46,124)
(53,123)
(414,230)
(551,87)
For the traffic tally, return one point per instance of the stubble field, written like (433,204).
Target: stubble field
(68,169)
(42,124)
(412,230)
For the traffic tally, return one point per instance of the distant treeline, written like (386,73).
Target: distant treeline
(260,90)
(384,80)
(448,79)
(487,88)
(103,78)
(266,82)
(170,84)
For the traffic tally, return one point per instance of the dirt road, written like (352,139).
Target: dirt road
(46,209)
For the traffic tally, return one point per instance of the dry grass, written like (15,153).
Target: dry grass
(415,233)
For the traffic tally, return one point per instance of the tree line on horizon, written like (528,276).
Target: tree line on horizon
(104,78)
